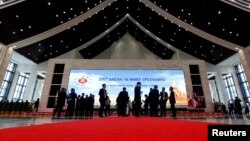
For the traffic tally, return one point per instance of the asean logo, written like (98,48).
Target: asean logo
(83,80)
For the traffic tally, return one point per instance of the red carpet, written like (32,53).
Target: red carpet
(111,129)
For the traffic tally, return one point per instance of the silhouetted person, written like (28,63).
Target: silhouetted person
(107,106)
(237,105)
(246,109)
(102,99)
(133,108)
(122,102)
(146,104)
(34,107)
(78,106)
(82,106)
(231,108)
(172,101)
(137,99)
(223,108)
(163,101)
(71,100)
(154,101)
(60,102)
(91,105)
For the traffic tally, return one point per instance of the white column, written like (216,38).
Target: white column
(221,87)
(245,60)
(30,84)
(6,54)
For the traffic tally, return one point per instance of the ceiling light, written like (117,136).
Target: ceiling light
(21,30)
(57,15)
(13,32)
(49,3)
(208,23)
(17,16)
(237,34)
(235,19)
(29,27)
(71,9)
(219,12)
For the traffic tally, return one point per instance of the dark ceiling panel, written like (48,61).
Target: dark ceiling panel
(212,16)
(90,28)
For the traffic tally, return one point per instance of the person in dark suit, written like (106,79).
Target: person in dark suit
(60,102)
(91,102)
(122,102)
(103,96)
(137,99)
(172,101)
(163,101)
(71,100)
(154,101)
(146,104)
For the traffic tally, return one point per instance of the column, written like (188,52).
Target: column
(245,61)
(5,57)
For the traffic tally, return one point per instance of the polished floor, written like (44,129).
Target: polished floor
(17,122)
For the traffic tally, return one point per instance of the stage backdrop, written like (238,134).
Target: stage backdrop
(89,81)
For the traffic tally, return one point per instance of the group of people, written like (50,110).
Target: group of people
(152,100)
(81,106)
(235,107)
(78,106)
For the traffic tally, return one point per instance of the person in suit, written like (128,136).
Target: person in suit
(163,101)
(146,104)
(172,101)
(122,102)
(154,101)
(91,101)
(60,102)
(107,109)
(103,97)
(71,103)
(137,99)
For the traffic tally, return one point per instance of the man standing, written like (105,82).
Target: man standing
(163,101)
(71,103)
(122,102)
(60,102)
(172,101)
(103,96)
(137,99)
(154,101)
